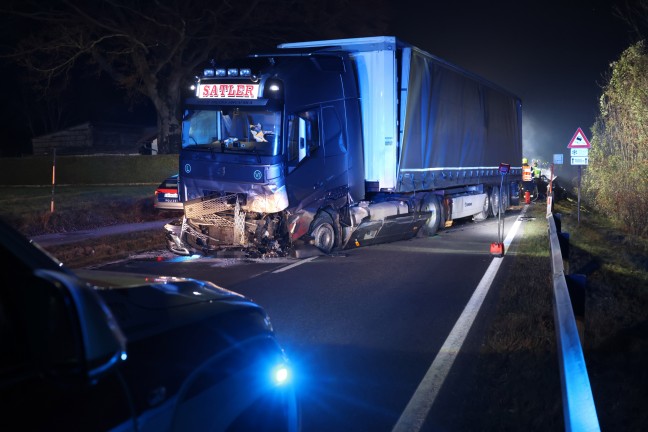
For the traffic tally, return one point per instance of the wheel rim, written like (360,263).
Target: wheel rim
(432,224)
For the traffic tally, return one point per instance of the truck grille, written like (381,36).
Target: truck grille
(220,213)
(208,208)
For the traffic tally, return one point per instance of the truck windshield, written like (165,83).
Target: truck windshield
(233,130)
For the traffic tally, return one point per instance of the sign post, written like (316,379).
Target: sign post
(579,150)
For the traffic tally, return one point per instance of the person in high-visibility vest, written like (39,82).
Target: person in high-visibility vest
(536,170)
(526,170)
(527,178)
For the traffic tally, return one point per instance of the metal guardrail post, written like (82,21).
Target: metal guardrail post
(578,402)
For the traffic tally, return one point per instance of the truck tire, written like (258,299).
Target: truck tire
(323,232)
(483,215)
(494,200)
(431,203)
(506,198)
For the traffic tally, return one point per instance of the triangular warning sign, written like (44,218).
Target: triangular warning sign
(579,140)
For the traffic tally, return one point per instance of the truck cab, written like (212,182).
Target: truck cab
(247,134)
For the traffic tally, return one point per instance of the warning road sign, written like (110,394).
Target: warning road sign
(579,140)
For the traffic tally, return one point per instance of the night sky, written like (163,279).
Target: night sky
(553,55)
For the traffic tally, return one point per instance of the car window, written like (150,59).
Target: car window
(35,323)
(13,327)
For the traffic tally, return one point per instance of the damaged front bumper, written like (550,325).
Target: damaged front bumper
(221,227)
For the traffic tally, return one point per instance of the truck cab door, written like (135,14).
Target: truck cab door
(305,173)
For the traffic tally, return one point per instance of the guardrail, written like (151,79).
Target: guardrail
(578,402)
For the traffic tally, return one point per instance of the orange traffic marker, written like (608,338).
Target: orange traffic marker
(497,249)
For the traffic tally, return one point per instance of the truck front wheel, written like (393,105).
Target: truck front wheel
(323,232)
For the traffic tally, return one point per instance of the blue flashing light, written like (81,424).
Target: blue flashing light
(209,72)
(232,72)
(280,374)
(246,72)
(220,72)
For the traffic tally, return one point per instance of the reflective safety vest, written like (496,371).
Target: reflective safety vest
(526,173)
(537,172)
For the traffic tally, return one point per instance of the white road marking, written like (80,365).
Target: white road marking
(304,261)
(416,411)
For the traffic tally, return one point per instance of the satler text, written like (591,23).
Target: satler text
(228,91)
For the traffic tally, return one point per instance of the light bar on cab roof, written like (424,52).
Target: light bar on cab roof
(231,72)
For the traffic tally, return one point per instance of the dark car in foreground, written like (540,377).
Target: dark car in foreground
(91,350)
(166,195)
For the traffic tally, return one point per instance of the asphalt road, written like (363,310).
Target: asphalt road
(370,330)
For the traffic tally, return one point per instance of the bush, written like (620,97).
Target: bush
(617,180)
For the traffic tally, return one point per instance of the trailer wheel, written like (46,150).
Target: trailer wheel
(495,200)
(431,203)
(483,215)
(505,199)
(323,232)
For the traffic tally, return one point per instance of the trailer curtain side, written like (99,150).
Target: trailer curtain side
(455,126)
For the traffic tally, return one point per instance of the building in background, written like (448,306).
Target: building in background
(98,138)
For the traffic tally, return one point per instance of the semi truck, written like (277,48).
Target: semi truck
(327,145)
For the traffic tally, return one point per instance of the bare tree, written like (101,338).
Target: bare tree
(152,48)
(635,14)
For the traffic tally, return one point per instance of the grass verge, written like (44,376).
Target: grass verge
(615,265)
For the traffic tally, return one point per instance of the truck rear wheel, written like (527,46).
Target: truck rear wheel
(431,204)
(323,232)
(506,198)
(495,200)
